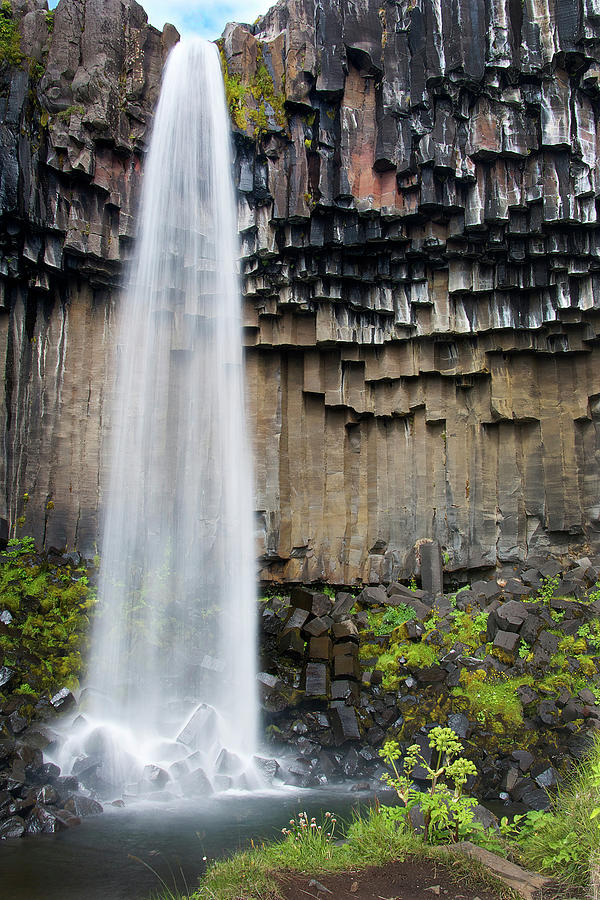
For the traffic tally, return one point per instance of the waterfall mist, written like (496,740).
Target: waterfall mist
(171,679)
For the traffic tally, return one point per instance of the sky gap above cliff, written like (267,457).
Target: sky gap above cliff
(202,17)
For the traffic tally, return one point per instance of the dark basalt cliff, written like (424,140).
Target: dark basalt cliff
(418,187)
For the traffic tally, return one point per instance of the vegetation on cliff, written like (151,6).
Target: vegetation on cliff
(256,101)
(10,38)
(44,609)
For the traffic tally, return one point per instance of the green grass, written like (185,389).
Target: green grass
(371,840)
(565,841)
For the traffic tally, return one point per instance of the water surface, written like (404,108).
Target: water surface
(95,861)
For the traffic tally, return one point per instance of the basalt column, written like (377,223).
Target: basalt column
(420,255)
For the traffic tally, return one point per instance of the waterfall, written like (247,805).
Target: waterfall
(171,679)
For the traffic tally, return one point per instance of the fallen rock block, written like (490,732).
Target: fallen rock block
(525,883)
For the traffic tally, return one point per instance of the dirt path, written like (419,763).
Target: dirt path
(409,880)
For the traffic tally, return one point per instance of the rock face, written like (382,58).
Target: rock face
(420,259)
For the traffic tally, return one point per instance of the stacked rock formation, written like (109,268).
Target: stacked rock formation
(510,664)
(418,193)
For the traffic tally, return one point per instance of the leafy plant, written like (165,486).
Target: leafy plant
(524,649)
(393,617)
(447,814)
(591,633)
(547,588)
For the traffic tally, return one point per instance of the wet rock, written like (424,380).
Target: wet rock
(5,675)
(316,680)
(67,820)
(82,807)
(318,626)
(228,763)
(42,821)
(291,642)
(342,605)
(372,596)
(14,827)
(345,630)
(460,724)
(507,641)
(546,779)
(197,783)
(201,724)
(17,723)
(154,777)
(524,758)
(268,768)
(344,722)
(63,700)
(510,616)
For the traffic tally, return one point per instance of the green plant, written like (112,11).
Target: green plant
(10,37)
(412,584)
(563,841)
(65,114)
(50,20)
(467,629)
(591,633)
(447,813)
(491,698)
(524,649)
(547,588)
(303,829)
(594,594)
(393,617)
(49,607)
(453,597)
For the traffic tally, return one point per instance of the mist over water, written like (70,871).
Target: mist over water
(173,646)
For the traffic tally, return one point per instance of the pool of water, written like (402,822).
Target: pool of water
(103,859)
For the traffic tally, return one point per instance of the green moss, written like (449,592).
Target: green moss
(467,629)
(492,699)
(49,606)
(50,20)
(261,88)
(10,37)
(419,655)
(66,114)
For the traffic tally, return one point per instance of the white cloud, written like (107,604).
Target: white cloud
(203,17)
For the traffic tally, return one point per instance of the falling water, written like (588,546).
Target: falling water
(171,678)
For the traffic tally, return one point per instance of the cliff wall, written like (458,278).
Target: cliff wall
(418,192)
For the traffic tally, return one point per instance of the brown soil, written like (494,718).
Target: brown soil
(410,880)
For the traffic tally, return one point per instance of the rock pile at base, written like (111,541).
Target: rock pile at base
(35,798)
(329,702)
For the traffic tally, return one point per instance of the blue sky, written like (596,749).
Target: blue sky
(203,17)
